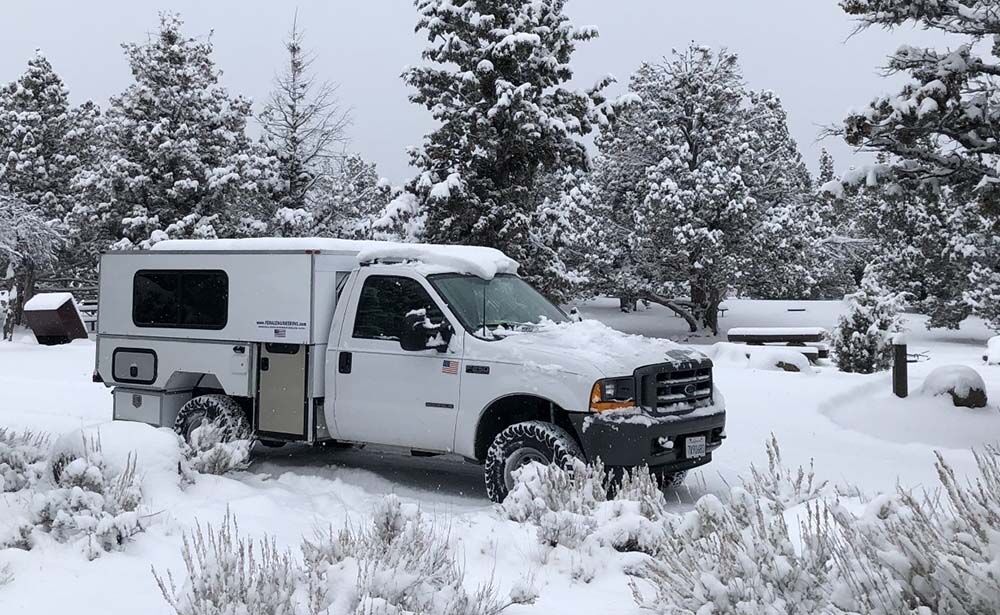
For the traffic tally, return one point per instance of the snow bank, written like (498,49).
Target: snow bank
(993,351)
(758,357)
(952,378)
(475,260)
(43,302)
(777,358)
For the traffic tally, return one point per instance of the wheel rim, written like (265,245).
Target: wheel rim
(518,459)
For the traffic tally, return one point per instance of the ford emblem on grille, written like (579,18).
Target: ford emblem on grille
(689,390)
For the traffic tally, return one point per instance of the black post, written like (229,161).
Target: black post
(899,368)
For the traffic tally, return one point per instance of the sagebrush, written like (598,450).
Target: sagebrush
(82,500)
(782,542)
(22,458)
(397,563)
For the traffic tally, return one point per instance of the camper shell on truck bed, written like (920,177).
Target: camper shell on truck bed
(236,307)
(435,349)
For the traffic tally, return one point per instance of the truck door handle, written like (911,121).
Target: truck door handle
(265,364)
(344,363)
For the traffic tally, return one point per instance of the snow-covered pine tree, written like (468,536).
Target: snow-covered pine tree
(827,168)
(496,83)
(28,246)
(862,342)
(350,199)
(178,159)
(557,257)
(941,130)
(783,260)
(45,143)
(304,124)
(696,174)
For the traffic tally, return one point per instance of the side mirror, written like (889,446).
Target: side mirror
(419,334)
(574,314)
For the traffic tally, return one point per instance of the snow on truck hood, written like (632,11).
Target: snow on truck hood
(479,261)
(610,352)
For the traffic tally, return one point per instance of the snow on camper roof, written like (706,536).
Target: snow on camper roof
(482,262)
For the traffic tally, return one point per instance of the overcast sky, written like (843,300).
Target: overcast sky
(799,48)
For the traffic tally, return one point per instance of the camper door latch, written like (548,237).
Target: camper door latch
(239,349)
(265,364)
(344,363)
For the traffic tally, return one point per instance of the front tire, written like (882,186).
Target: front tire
(671,480)
(222,411)
(521,444)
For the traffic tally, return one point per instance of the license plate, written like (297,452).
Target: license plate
(694,447)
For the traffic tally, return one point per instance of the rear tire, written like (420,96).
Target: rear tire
(523,443)
(222,411)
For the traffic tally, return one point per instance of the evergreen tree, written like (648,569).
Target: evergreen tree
(700,188)
(45,145)
(304,125)
(351,200)
(941,135)
(862,342)
(28,246)
(496,84)
(827,173)
(178,161)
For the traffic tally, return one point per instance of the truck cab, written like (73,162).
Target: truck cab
(434,349)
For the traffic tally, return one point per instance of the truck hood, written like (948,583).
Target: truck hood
(588,348)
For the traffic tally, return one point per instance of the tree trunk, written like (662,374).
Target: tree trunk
(627,303)
(706,305)
(24,286)
(675,308)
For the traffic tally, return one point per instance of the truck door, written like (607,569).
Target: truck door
(281,401)
(387,395)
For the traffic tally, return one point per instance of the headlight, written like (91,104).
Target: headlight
(612,394)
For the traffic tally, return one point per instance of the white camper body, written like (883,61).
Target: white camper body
(278,302)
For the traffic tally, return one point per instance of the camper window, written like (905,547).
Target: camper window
(193,299)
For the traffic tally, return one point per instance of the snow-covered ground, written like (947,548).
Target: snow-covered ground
(851,426)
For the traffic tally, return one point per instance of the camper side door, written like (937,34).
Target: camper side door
(384,394)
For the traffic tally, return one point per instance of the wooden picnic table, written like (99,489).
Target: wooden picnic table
(799,338)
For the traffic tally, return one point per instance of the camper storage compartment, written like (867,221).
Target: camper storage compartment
(134,365)
(158,408)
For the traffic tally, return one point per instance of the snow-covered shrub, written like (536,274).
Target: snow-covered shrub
(862,342)
(993,350)
(22,458)
(781,486)
(539,489)
(6,576)
(964,384)
(785,359)
(230,575)
(83,500)
(397,564)
(733,557)
(909,554)
(210,452)
(584,505)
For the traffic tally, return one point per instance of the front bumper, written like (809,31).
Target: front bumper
(630,439)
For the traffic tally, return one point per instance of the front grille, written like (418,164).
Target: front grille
(675,387)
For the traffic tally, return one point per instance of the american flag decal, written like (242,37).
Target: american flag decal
(449,367)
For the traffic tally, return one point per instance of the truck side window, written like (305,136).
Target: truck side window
(384,303)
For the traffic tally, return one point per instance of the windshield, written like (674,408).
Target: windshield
(506,301)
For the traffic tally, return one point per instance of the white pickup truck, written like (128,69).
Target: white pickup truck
(434,349)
